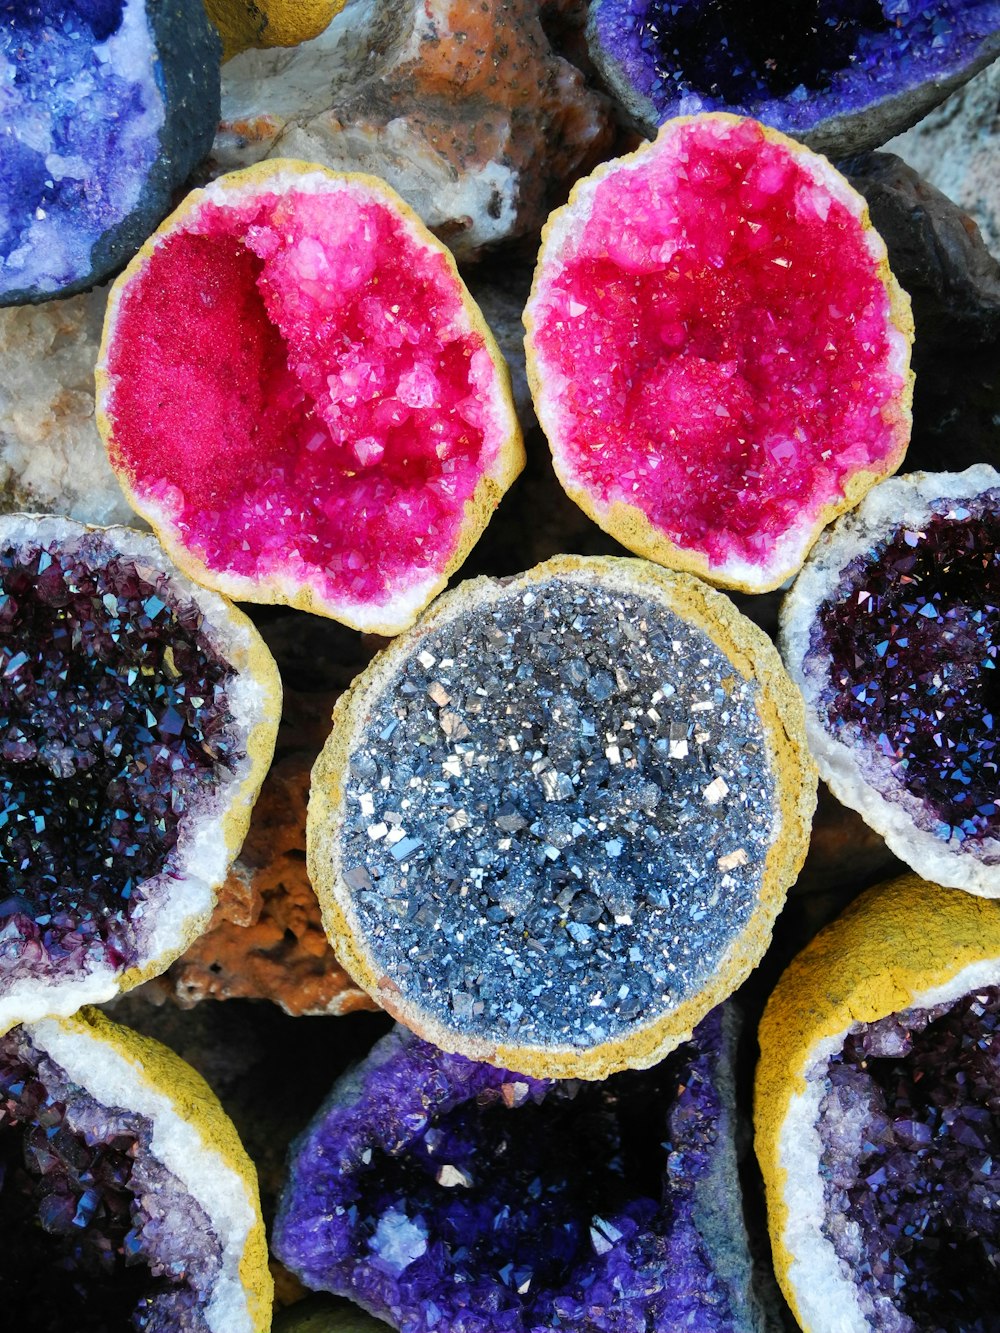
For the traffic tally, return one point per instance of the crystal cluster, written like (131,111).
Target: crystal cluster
(716,346)
(107,106)
(296,384)
(843,75)
(910,1127)
(113,718)
(558,814)
(912,633)
(443,1194)
(92,1222)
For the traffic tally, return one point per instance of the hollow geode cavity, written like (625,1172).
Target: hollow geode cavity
(718,351)
(840,75)
(892,632)
(878,1116)
(126,1201)
(107,105)
(299,394)
(442,1194)
(137,719)
(553,824)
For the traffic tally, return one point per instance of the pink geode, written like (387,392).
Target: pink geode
(303,400)
(718,351)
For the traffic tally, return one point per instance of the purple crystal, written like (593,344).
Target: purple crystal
(912,633)
(443,1194)
(842,74)
(113,719)
(86,1212)
(911,1159)
(107,107)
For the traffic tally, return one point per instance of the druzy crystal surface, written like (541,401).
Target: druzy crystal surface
(714,345)
(911,635)
(793,65)
(910,1127)
(106,105)
(113,724)
(557,816)
(446,1195)
(299,389)
(96,1231)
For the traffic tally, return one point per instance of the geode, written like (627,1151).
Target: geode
(108,105)
(892,633)
(442,1194)
(878,1116)
(137,719)
(299,394)
(552,825)
(840,75)
(125,1195)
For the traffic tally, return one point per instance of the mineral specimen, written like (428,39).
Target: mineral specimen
(462,108)
(137,718)
(442,1194)
(127,1201)
(249,23)
(107,107)
(52,459)
(877,1100)
(552,826)
(300,396)
(892,632)
(718,351)
(841,75)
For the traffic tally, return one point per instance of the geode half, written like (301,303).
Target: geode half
(442,1194)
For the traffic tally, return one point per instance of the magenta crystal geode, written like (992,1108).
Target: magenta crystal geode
(443,1194)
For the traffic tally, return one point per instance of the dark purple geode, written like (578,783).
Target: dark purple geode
(97,1234)
(841,75)
(107,105)
(451,1196)
(910,1133)
(114,723)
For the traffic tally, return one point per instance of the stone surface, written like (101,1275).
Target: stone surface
(444,1194)
(466,111)
(52,459)
(841,75)
(956,148)
(107,105)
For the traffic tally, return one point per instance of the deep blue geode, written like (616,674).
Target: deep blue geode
(841,75)
(450,1196)
(106,106)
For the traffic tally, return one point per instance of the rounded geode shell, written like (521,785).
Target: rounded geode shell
(554,823)
(841,77)
(138,714)
(108,107)
(127,1195)
(876,1113)
(718,351)
(300,396)
(892,632)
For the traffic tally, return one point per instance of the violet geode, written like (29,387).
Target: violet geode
(107,105)
(444,1194)
(841,75)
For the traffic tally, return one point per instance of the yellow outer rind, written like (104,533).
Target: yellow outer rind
(243,24)
(629,524)
(159,1068)
(479,508)
(751,653)
(892,945)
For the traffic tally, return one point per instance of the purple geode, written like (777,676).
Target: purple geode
(447,1195)
(910,1128)
(841,75)
(107,106)
(96,1232)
